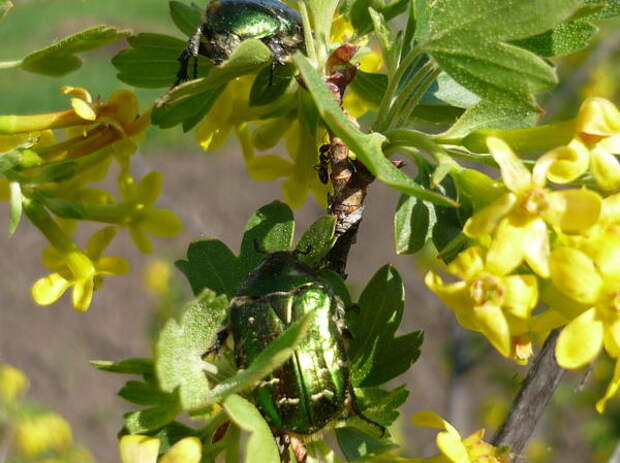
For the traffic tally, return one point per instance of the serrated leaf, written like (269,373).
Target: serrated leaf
(272,228)
(60,58)
(182,344)
(356,444)
(131,366)
(261,444)
(270,83)
(376,354)
(152,61)
(316,242)
(186,17)
(150,419)
(412,225)
(15,211)
(210,264)
(562,40)
(278,352)
(380,405)
(468,39)
(367,147)
(142,393)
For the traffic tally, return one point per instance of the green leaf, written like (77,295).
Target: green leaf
(131,366)
(182,344)
(261,444)
(412,225)
(468,39)
(488,114)
(188,110)
(367,147)
(186,17)
(562,40)
(278,352)
(370,86)
(5,6)
(210,264)
(316,242)
(272,228)
(15,212)
(356,444)
(142,393)
(380,405)
(270,84)
(360,17)
(150,419)
(59,58)
(338,285)
(152,61)
(376,354)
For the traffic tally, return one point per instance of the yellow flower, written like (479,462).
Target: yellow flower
(13,383)
(138,449)
(299,173)
(230,110)
(517,222)
(143,449)
(142,217)
(596,141)
(496,304)
(455,449)
(43,433)
(83,271)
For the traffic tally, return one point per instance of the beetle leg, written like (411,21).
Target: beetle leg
(355,408)
(191,50)
(284,441)
(299,450)
(220,339)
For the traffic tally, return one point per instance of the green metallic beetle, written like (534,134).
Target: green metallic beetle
(229,22)
(313,388)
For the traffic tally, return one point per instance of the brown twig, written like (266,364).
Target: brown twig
(529,405)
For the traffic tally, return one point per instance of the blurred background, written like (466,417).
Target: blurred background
(457,375)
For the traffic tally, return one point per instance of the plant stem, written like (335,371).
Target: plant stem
(529,405)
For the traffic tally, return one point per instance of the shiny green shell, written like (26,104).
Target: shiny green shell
(310,389)
(252,18)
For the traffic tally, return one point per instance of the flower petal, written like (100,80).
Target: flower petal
(567,162)
(485,221)
(521,294)
(452,447)
(507,248)
(574,274)
(492,323)
(99,241)
(112,266)
(149,188)
(536,247)
(141,239)
(598,116)
(161,222)
(574,210)
(83,294)
(611,338)
(454,295)
(49,289)
(612,389)
(468,263)
(580,341)
(187,450)
(515,175)
(138,449)
(605,169)
(268,167)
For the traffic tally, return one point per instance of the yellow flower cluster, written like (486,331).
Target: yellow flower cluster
(455,449)
(144,449)
(96,133)
(560,247)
